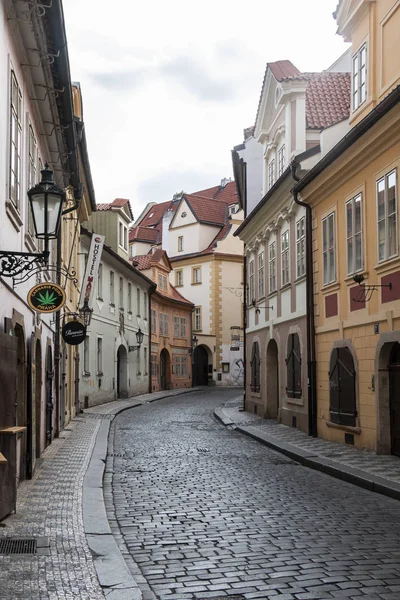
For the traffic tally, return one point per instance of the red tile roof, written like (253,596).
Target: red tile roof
(219,237)
(175,295)
(283,69)
(327,99)
(143,234)
(143,262)
(207,211)
(155,214)
(117,203)
(228,193)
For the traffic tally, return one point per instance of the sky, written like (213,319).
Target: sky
(169,86)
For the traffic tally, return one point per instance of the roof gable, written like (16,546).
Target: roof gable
(119,204)
(183,216)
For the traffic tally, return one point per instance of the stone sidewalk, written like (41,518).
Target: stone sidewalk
(366,469)
(64,503)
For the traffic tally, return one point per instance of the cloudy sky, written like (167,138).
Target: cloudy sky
(168,87)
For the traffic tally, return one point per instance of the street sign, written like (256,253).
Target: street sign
(73,332)
(46,297)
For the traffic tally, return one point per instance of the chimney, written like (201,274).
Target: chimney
(167,218)
(224,181)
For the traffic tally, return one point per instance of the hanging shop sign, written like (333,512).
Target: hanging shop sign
(92,269)
(73,332)
(46,297)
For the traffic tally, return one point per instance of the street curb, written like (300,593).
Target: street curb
(113,574)
(358,477)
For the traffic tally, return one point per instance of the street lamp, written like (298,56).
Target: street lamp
(139,340)
(46,200)
(193,346)
(85,313)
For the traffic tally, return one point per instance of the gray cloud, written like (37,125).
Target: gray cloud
(120,80)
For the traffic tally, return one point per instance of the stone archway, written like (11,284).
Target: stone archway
(272,380)
(122,372)
(200,366)
(384,388)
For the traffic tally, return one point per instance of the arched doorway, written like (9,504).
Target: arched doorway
(165,370)
(272,380)
(49,395)
(122,372)
(200,366)
(394,399)
(22,407)
(38,395)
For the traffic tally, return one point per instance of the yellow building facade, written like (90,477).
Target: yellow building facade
(353,195)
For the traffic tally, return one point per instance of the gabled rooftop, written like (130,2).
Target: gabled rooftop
(117,203)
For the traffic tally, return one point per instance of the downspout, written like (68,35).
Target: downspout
(151,292)
(311,355)
(57,344)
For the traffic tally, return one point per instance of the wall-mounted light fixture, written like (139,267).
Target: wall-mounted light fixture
(194,345)
(46,200)
(85,313)
(139,340)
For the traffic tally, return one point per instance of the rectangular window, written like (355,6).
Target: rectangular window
(112,287)
(176,326)
(120,235)
(178,278)
(121,292)
(301,247)
(261,275)
(86,357)
(15,142)
(99,356)
(183,327)
(154,365)
(281,160)
(196,275)
(271,174)
(177,366)
(161,323)
(329,249)
(129,297)
(166,327)
(197,318)
(100,282)
(354,235)
(153,321)
(145,360)
(183,366)
(180,243)
(387,216)
(32,174)
(272,267)
(126,238)
(251,282)
(162,282)
(145,301)
(285,257)
(138,313)
(360,77)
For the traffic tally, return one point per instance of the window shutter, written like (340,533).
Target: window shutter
(334,406)
(297,366)
(347,389)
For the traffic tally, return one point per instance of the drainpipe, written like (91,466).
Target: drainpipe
(151,291)
(311,355)
(57,344)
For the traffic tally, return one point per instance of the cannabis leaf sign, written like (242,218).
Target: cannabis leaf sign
(46,297)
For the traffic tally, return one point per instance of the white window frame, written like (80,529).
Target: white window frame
(196,275)
(129,297)
(112,290)
(281,160)
(86,355)
(271,173)
(100,282)
(15,141)
(32,178)
(353,237)
(387,217)
(359,77)
(197,318)
(329,249)
(301,247)
(145,300)
(179,278)
(272,266)
(121,292)
(252,291)
(261,284)
(180,243)
(285,258)
(99,355)
(138,303)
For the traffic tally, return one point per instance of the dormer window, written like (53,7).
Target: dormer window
(360,77)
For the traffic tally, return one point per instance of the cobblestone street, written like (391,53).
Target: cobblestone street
(206,512)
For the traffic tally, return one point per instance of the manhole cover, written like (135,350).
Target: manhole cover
(38,545)
(18,546)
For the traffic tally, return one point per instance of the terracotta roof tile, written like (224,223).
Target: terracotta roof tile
(143,262)
(327,99)
(117,203)
(155,214)
(143,234)
(228,193)
(175,295)
(207,211)
(283,69)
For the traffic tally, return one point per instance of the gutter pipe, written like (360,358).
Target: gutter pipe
(311,354)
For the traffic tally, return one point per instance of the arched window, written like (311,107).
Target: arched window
(342,387)
(293,367)
(255,368)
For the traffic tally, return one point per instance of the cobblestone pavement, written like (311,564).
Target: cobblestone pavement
(380,465)
(205,512)
(51,505)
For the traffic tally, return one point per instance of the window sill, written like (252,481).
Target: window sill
(285,287)
(296,401)
(273,293)
(99,373)
(112,305)
(330,287)
(348,428)
(100,298)
(349,279)
(196,282)
(179,285)
(387,265)
(86,374)
(300,278)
